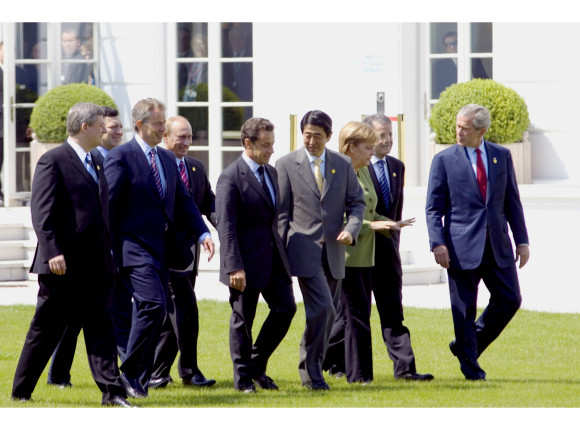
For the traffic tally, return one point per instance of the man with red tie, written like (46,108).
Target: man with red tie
(471,198)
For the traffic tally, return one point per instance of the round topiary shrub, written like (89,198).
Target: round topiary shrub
(509,113)
(48,118)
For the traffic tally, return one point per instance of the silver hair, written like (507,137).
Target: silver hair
(143,109)
(377,117)
(80,114)
(480,114)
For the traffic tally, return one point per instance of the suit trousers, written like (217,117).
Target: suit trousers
(250,360)
(473,337)
(148,287)
(75,300)
(180,330)
(387,285)
(321,295)
(63,356)
(350,345)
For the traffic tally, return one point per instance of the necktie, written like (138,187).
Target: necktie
(384,183)
(155,170)
(481,176)
(182,174)
(318,174)
(264,185)
(90,168)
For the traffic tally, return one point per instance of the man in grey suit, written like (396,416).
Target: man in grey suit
(318,187)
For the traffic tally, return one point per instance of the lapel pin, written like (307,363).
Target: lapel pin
(394,174)
(333,171)
(494,160)
(193,169)
(98,167)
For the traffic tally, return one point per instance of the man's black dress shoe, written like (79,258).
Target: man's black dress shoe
(133,387)
(453,347)
(266,383)
(21,399)
(469,375)
(61,384)
(198,380)
(119,401)
(160,382)
(247,388)
(415,377)
(320,385)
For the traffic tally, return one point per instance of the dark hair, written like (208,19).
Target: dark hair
(252,128)
(318,118)
(110,112)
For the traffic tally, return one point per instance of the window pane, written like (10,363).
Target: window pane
(443,38)
(77,44)
(198,118)
(237,39)
(482,68)
(30,45)
(481,37)
(23,171)
(443,74)
(229,157)
(193,81)
(232,120)
(202,156)
(192,40)
(23,133)
(237,82)
(29,39)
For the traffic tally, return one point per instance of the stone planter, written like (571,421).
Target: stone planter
(521,156)
(36,150)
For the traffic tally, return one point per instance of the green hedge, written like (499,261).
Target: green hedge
(509,113)
(48,118)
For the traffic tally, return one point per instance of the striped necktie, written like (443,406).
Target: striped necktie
(318,174)
(155,170)
(90,168)
(384,183)
(182,174)
(481,176)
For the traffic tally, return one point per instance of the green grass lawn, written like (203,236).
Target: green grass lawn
(535,363)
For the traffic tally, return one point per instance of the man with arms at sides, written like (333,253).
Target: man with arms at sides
(73,259)
(318,187)
(471,197)
(388,175)
(62,359)
(181,327)
(252,257)
(146,198)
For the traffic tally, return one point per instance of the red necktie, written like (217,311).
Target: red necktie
(182,174)
(481,176)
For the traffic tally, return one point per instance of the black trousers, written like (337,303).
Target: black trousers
(63,356)
(180,330)
(76,300)
(473,337)
(249,358)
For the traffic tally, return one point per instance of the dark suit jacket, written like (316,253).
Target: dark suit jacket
(247,225)
(137,212)
(453,197)
(200,188)
(70,214)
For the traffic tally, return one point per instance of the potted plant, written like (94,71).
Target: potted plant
(48,117)
(509,119)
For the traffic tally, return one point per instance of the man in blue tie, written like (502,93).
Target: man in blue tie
(471,198)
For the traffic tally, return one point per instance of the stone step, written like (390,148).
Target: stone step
(17,249)
(15,270)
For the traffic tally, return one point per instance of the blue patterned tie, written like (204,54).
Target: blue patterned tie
(155,170)
(90,168)
(384,183)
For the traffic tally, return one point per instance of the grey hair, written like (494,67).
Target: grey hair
(143,108)
(480,114)
(377,117)
(80,114)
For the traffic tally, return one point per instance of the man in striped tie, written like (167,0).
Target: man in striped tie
(147,197)
(181,326)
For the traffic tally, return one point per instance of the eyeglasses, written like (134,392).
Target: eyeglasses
(450,44)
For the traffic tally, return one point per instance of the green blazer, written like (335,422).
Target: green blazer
(363,253)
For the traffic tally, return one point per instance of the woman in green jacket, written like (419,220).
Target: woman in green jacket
(357,140)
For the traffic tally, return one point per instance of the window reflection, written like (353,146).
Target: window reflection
(192,75)
(481,37)
(443,74)
(444,38)
(198,118)
(77,45)
(481,68)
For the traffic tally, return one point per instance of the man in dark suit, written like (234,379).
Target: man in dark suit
(73,72)
(73,258)
(321,211)
(252,257)
(388,176)
(147,200)
(471,198)
(62,359)
(238,76)
(181,327)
